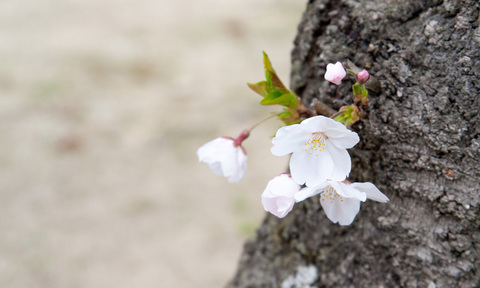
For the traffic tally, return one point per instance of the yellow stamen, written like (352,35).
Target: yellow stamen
(331,194)
(316,143)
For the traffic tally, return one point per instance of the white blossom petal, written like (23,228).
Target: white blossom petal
(224,158)
(308,192)
(347,191)
(216,168)
(214,152)
(334,128)
(342,138)
(343,163)
(235,165)
(288,138)
(341,201)
(340,210)
(310,169)
(302,166)
(229,160)
(325,166)
(209,150)
(319,124)
(371,190)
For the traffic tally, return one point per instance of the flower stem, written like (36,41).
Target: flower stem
(245,133)
(263,120)
(351,72)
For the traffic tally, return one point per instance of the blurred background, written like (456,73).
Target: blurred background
(103,104)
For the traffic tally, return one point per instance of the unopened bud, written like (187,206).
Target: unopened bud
(362,76)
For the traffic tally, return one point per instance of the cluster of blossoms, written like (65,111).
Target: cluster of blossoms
(319,162)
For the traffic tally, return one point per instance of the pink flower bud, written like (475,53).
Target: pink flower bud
(362,76)
(335,73)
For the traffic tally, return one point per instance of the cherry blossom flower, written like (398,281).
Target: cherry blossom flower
(278,198)
(226,157)
(335,73)
(319,150)
(340,200)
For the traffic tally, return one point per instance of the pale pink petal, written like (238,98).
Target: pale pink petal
(282,185)
(278,197)
(279,206)
(335,73)
(371,190)
(341,158)
(284,206)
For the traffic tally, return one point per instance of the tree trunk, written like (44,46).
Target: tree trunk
(420,144)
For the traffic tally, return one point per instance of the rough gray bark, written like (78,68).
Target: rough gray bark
(420,144)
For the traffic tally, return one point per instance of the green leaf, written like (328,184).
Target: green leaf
(266,62)
(260,88)
(279,98)
(273,80)
(274,92)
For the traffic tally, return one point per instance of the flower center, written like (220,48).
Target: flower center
(330,195)
(316,143)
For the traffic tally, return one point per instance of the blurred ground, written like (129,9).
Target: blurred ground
(103,104)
